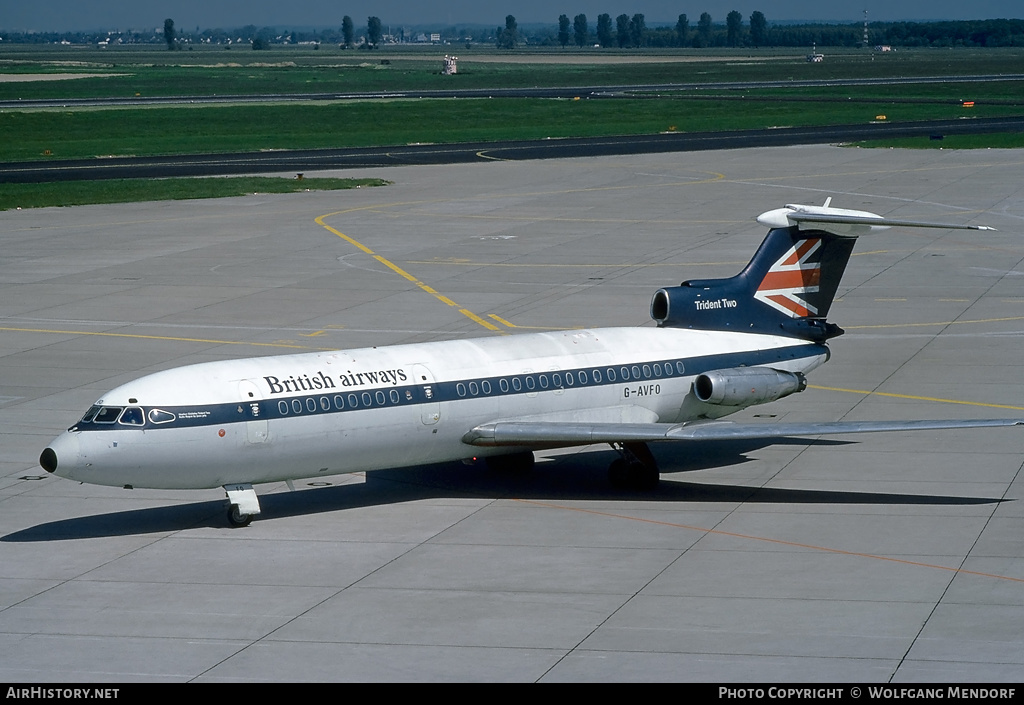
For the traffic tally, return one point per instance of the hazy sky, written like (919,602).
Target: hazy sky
(60,15)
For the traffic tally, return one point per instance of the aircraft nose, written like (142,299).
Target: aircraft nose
(48,460)
(61,456)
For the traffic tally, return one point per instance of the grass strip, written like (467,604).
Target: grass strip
(59,134)
(138,70)
(75,193)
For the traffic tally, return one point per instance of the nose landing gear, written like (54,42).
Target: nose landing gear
(243,504)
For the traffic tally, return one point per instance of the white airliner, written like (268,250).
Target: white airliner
(721,345)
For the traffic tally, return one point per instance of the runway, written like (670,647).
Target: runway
(602,91)
(876,558)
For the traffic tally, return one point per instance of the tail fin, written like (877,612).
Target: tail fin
(788,286)
(786,289)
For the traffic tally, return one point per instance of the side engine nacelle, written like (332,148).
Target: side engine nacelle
(746,386)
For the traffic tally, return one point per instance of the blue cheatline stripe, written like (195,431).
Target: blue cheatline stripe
(344,400)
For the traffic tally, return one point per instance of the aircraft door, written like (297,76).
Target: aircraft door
(250,408)
(430,411)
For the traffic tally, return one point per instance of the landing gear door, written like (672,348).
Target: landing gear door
(430,410)
(251,410)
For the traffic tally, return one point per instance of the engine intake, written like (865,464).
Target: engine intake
(746,386)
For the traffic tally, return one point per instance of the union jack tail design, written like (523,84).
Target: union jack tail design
(787,288)
(790,282)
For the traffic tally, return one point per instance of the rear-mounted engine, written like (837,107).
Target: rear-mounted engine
(715,304)
(745,386)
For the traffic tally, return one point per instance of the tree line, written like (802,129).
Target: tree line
(623,31)
(256,37)
(626,31)
(631,31)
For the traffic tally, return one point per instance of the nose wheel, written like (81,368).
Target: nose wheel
(236,518)
(243,504)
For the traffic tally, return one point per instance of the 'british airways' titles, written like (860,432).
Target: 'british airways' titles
(312,383)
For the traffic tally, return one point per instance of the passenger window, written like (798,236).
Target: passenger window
(597,376)
(485,386)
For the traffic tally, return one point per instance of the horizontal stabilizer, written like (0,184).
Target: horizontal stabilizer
(802,219)
(551,433)
(845,222)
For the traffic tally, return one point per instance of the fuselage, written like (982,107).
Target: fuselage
(296,416)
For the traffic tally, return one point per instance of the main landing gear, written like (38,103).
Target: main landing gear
(243,504)
(514,463)
(635,468)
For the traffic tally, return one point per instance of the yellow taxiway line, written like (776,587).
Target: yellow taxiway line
(938,400)
(160,337)
(405,275)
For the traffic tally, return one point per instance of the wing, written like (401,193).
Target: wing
(553,433)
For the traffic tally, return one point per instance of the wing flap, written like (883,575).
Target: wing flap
(555,433)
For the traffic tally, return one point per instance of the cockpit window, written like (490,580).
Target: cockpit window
(108,414)
(90,414)
(132,416)
(161,416)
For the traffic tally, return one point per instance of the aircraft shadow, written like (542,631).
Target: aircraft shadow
(568,478)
